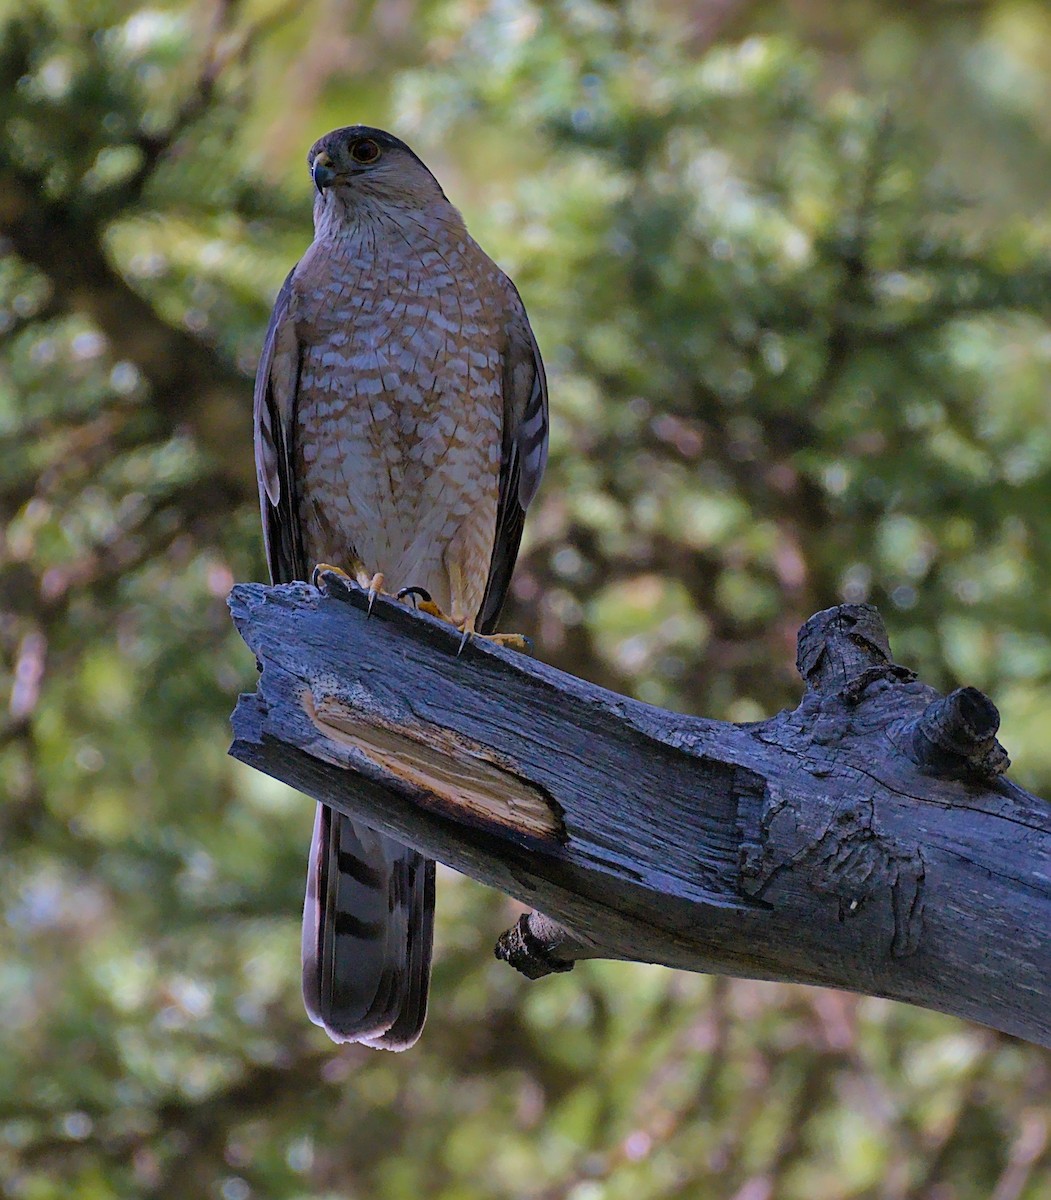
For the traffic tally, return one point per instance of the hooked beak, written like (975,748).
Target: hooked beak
(323,172)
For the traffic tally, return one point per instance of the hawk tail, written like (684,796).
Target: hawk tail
(368,923)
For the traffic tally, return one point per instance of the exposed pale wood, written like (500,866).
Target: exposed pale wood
(865,840)
(454,770)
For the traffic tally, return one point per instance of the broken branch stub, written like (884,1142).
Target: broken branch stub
(866,839)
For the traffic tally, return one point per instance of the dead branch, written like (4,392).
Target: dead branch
(866,840)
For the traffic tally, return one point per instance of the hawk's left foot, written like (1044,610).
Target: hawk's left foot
(515,641)
(422,602)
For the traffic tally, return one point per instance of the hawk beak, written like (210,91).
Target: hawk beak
(323,172)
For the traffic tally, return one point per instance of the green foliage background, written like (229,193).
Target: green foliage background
(790,267)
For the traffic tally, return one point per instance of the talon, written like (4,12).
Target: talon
(412,593)
(426,604)
(468,630)
(373,586)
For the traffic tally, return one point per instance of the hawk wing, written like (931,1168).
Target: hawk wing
(368,916)
(274,411)
(523,455)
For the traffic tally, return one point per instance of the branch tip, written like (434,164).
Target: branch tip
(957,733)
(530,946)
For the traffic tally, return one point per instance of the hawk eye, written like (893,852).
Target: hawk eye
(365,151)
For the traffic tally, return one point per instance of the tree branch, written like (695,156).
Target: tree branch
(865,840)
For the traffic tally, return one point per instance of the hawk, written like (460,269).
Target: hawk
(400,433)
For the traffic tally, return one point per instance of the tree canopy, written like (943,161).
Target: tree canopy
(790,269)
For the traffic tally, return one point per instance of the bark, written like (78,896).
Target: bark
(865,840)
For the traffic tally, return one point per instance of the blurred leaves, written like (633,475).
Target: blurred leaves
(790,267)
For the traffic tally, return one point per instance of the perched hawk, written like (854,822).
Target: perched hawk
(400,432)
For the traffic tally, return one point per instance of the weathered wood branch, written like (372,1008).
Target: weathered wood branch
(866,840)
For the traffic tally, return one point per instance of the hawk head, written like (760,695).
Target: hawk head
(360,166)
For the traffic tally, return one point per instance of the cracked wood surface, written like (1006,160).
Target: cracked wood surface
(865,840)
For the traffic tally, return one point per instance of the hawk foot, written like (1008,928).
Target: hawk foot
(422,602)
(368,582)
(515,641)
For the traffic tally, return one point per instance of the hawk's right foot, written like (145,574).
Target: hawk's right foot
(372,584)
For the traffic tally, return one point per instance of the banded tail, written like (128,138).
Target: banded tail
(368,924)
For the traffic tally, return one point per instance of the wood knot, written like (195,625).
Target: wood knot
(840,644)
(956,735)
(530,944)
